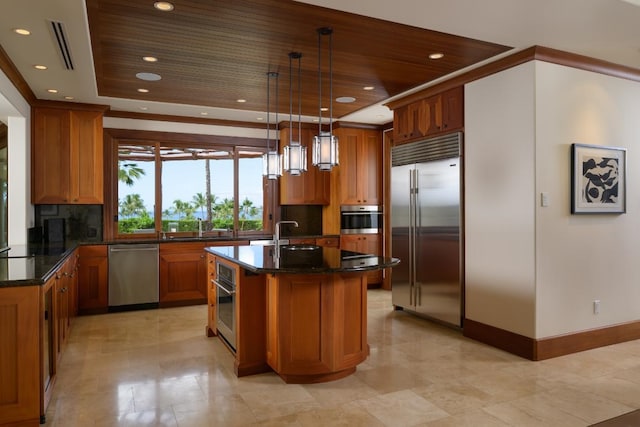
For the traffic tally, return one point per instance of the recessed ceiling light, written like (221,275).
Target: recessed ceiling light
(204,113)
(324,109)
(143,90)
(52,90)
(368,88)
(149,77)
(241,100)
(68,98)
(150,59)
(40,67)
(164,6)
(436,55)
(22,31)
(345,99)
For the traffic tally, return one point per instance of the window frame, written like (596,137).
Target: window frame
(115,137)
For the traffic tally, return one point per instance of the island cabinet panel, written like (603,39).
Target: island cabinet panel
(93,281)
(67,157)
(316,325)
(211,328)
(251,333)
(20,355)
(309,188)
(360,166)
(183,274)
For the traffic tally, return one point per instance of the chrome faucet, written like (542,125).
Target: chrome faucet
(199,227)
(276,236)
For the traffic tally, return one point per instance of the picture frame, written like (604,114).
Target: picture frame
(598,179)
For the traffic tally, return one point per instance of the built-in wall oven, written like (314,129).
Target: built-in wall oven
(360,219)
(225,282)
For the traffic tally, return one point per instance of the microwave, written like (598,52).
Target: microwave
(360,219)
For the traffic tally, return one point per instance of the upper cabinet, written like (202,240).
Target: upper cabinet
(310,187)
(440,113)
(360,166)
(67,156)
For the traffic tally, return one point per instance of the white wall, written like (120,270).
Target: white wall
(536,270)
(499,149)
(16,113)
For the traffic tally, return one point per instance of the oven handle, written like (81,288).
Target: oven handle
(361,213)
(221,286)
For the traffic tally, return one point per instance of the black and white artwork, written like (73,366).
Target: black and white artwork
(598,179)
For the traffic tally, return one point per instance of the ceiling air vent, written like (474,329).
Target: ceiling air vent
(61,39)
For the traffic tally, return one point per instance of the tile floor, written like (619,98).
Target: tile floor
(156,368)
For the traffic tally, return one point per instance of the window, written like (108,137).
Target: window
(184,188)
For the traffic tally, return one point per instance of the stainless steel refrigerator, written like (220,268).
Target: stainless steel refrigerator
(425,228)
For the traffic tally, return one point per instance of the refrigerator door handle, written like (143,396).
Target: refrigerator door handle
(414,225)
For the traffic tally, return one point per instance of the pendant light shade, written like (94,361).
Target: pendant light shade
(271,160)
(294,154)
(325,144)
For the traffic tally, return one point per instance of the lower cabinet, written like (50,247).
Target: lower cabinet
(20,354)
(211,329)
(366,244)
(93,277)
(183,274)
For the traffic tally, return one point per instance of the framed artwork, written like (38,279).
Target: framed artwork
(598,179)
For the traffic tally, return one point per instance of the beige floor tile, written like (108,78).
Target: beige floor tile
(157,368)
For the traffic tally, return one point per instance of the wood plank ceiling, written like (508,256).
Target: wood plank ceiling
(212,53)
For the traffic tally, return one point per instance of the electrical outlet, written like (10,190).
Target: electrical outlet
(596,306)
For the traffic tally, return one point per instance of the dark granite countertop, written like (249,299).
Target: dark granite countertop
(300,259)
(22,266)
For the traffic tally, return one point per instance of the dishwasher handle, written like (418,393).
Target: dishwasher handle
(224,288)
(133,248)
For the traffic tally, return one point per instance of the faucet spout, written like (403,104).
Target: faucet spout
(276,236)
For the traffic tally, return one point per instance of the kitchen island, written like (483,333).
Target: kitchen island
(299,310)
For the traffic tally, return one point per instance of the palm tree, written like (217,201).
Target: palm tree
(180,207)
(247,210)
(132,205)
(129,172)
(199,201)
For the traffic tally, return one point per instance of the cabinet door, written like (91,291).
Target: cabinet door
(453,109)
(20,352)
(211,293)
(62,312)
(401,131)
(360,167)
(50,156)
(93,286)
(86,157)
(183,274)
(433,114)
(310,187)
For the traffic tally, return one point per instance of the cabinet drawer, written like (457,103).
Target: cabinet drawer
(329,242)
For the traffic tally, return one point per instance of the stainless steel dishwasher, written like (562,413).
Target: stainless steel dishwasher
(133,276)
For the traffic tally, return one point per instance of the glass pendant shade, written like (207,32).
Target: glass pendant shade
(295,158)
(272,165)
(271,160)
(294,155)
(325,151)
(325,144)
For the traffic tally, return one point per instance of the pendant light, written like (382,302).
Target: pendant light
(295,155)
(271,160)
(325,145)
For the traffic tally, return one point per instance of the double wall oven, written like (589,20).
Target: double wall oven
(225,282)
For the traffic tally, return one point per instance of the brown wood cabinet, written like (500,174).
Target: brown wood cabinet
(93,279)
(366,244)
(212,320)
(310,187)
(67,157)
(360,166)
(316,325)
(250,314)
(183,274)
(20,354)
(65,301)
(440,113)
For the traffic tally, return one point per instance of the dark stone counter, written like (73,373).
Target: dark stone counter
(302,259)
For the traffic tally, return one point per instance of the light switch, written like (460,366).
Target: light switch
(544,199)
